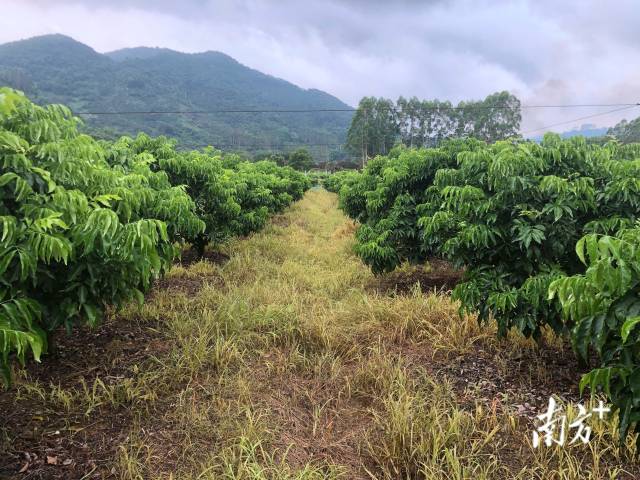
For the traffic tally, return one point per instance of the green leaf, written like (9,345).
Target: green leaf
(627,327)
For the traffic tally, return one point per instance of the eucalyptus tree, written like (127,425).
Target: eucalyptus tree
(379,123)
(374,128)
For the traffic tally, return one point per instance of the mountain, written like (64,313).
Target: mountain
(140,53)
(587,130)
(58,69)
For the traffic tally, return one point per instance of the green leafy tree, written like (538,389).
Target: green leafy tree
(278,158)
(626,131)
(511,213)
(300,159)
(385,198)
(77,233)
(497,117)
(335,181)
(232,196)
(603,304)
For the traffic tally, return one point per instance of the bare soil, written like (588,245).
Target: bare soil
(190,256)
(439,276)
(48,442)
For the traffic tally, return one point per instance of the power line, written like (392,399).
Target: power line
(266,147)
(580,118)
(207,112)
(583,105)
(351,110)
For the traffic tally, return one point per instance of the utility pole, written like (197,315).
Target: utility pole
(364,144)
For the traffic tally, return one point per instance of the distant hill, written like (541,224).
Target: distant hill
(58,69)
(587,130)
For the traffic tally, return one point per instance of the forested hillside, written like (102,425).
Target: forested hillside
(58,69)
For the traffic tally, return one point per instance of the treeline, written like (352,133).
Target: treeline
(299,159)
(379,123)
(547,235)
(87,224)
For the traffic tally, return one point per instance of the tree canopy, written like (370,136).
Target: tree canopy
(379,123)
(626,131)
(299,159)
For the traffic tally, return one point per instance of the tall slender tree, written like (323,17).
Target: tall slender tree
(374,128)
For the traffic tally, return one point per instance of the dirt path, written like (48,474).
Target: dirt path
(290,360)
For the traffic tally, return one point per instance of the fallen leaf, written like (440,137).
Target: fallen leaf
(68,461)
(52,460)
(24,468)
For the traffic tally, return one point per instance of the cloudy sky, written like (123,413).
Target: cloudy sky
(544,51)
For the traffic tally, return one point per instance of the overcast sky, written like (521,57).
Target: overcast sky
(544,51)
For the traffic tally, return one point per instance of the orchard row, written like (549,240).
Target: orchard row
(548,235)
(85,224)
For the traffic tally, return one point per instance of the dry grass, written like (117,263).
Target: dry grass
(282,364)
